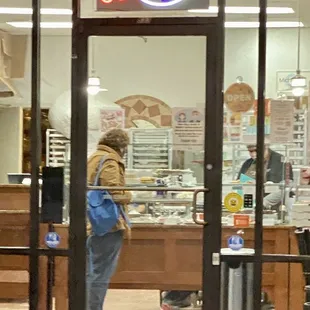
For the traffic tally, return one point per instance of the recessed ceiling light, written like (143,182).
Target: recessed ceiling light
(28,11)
(244,10)
(46,25)
(269,24)
(68,25)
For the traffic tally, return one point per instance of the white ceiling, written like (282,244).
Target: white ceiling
(88,11)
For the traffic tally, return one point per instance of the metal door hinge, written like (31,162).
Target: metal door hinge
(216,259)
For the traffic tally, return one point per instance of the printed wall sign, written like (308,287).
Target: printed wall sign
(188,129)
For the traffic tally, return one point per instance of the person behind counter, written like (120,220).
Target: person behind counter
(275,172)
(103,251)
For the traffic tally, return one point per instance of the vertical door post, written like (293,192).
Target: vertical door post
(212,235)
(35,137)
(78,165)
(260,169)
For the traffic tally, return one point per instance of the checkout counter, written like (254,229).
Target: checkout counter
(159,257)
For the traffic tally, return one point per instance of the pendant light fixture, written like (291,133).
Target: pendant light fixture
(298,82)
(94,81)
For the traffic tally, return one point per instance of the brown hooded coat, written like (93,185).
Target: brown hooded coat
(112,174)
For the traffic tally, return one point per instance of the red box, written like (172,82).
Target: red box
(241,220)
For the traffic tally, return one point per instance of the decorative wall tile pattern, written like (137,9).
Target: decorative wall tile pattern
(145,108)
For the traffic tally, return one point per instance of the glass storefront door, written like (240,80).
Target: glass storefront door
(164,89)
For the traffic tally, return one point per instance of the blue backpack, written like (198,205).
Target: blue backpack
(103,213)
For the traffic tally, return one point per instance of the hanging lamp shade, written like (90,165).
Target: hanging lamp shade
(94,86)
(299,84)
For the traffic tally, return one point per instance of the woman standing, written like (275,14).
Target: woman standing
(103,251)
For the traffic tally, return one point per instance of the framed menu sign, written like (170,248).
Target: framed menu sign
(282,121)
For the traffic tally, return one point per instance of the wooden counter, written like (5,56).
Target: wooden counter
(14,197)
(158,257)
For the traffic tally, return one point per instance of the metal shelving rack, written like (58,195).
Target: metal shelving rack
(150,148)
(58,155)
(55,148)
(67,160)
(298,153)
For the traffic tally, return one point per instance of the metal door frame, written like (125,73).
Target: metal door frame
(213,29)
(34,251)
(259,258)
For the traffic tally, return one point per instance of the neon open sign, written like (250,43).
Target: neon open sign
(150,5)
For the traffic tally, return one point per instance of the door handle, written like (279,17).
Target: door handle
(196,192)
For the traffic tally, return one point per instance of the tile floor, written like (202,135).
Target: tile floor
(116,300)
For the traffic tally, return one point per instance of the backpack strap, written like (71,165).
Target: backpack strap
(96,181)
(125,217)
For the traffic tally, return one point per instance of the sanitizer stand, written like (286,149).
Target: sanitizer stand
(237,282)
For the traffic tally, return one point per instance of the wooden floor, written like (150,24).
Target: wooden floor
(116,300)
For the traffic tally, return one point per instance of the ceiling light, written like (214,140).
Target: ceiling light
(28,11)
(298,91)
(299,84)
(49,25)
(94,85)
(244,10)
(56,11)
(269,24)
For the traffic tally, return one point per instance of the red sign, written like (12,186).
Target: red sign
(267,107)
(241,220)
(200,216)
(151,5)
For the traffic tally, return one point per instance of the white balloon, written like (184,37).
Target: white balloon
(60,113)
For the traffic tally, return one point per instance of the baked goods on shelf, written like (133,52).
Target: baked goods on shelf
(147,180)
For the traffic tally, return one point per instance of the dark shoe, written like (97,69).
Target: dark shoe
(181,303)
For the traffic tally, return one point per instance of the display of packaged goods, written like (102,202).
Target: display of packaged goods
(147,180)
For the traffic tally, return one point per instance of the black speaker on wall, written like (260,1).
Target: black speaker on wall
(52,195)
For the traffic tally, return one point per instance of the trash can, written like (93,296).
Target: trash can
(307,293)
(237,282)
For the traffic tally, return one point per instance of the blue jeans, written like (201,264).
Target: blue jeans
(103,253)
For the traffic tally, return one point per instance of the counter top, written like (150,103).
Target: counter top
(14,188)
(190,226)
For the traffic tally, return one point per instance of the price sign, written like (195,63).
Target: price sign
(241,220)
(150,5)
